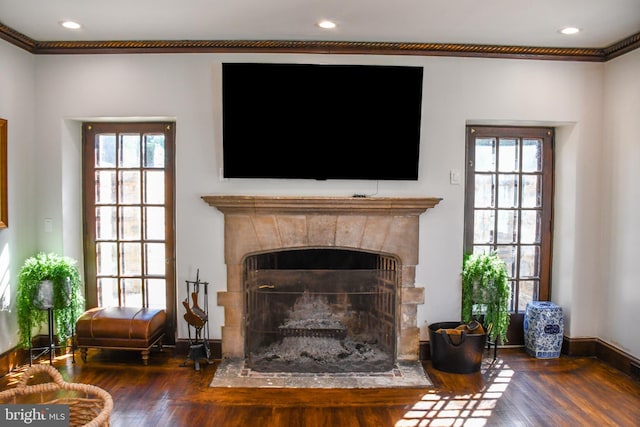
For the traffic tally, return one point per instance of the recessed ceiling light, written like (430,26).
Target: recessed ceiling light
(570,30)
(327,25)
(71,25)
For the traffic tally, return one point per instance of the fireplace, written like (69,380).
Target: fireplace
(353,258)
(320,310)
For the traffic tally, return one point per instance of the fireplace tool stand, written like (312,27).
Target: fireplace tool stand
(197,318)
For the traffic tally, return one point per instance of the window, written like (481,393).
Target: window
(508,208)
(128,212)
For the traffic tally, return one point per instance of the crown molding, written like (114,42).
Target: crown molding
(318,47)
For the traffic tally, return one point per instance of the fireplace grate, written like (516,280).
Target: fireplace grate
(337,333)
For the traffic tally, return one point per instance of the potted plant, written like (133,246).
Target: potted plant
(48,281)
(485,294)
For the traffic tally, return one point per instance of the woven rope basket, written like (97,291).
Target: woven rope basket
(89,406)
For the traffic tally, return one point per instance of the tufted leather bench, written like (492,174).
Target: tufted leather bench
(121,328)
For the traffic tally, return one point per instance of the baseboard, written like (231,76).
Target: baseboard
(581,347)
(11,359)
(16,357)
(618,359)
(584,347)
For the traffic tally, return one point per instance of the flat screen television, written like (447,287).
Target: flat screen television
(313,121)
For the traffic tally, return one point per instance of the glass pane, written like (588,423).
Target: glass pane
(129,187)
(154,151)
(484,196)
(156,292)
(105,186)
(509,254)
(530,232)
(154,223)
(529,261)
(483,226)
(107,292)
(531,155)
(531,191)
(130,150)
(130,223)
(155,259)
(106,259)
(154,187)
(509,156)
(507,191)
(485,155)
(482,249)
(130,261)
(106,223)
(105,150)
(132,292)
(508,226)
(528,293)
(512,296)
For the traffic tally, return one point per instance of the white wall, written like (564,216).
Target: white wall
(619,296)
(17,106)
(457,91)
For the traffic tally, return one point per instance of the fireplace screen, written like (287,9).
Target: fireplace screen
(320,310)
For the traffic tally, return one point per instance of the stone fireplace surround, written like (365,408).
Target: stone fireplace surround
(260,224)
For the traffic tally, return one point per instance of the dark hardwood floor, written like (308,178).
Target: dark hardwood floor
(517,390)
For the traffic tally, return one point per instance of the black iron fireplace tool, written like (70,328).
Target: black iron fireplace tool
(197,318)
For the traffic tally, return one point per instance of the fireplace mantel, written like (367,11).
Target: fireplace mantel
(301,205)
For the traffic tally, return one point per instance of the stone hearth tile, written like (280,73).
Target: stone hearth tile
(233,373)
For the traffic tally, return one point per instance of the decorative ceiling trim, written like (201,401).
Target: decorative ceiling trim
(622,47)
(16,38)
(323,47)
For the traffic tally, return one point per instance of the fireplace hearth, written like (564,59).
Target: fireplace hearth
(320,287)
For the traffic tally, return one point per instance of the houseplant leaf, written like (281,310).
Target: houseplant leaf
(68,301)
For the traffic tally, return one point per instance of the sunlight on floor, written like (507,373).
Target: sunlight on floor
(461,410)
(15,375)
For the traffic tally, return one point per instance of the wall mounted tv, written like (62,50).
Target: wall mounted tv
(312,121)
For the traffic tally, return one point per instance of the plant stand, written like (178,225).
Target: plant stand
(495,348)
(51,348)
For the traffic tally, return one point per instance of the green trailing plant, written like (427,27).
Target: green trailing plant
(485,293)
(67,300)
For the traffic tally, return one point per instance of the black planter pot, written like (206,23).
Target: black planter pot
(460,354)
(44,298)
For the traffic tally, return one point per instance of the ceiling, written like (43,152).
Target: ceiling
(482,22)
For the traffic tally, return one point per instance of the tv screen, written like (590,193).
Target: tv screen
(321,121)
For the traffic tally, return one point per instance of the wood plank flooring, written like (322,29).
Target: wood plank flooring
(517,390)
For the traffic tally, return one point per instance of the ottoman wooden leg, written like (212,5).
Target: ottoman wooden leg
(83,354)
(145,357)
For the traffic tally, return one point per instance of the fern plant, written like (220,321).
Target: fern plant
(67,300)
(485,293)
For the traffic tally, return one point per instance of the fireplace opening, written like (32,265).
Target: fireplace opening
(320,310)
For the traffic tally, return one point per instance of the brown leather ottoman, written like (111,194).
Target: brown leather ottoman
(120,328)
